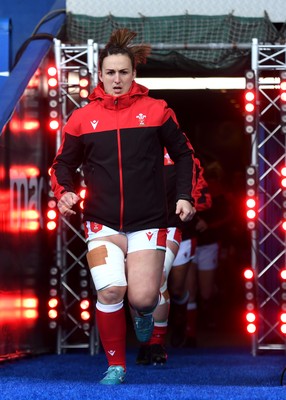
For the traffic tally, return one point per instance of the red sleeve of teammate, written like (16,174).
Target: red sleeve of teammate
(201,192)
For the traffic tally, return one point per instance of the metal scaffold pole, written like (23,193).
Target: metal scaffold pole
(268,156)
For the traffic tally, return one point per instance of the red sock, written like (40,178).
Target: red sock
(112,332)
(159,335)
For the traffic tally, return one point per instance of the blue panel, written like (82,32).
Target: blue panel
(31,58)
(4,49)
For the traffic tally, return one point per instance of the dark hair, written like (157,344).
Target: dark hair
(120,43)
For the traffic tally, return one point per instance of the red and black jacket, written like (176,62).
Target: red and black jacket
(201,194)
(119,142)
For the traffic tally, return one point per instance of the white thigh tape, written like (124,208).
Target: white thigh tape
(107,264)
(168,262)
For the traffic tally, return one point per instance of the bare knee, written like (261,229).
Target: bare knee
(111,295)
(144,302)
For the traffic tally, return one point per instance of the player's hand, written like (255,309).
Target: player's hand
(201,225)
(66,202)
(185,210)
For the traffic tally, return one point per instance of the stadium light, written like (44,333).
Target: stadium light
(283,301)
(251,197)
(283,101)
(250,316)
(53,98)
(250,103)
(283,192)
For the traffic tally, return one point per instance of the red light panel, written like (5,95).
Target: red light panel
(249,96)
(52,203)
(283,274)
(52,214)
(52,71)
(52,82)
(54,125)
(251,328)
(283,171)
(250,103)
(283,317)
(251,214)
(248,273)
(82,193)
(17,171)
(53,302)
(84,93)
(51,225)
(251,203)
(83,82)
(53,314)
(84,304)
(283,101)
(250,317)
(283,182)
(14,307)
(249,107)
(85,315)
(251,199)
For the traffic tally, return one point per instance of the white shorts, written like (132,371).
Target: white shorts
(147,239)
(185,253)
(206,257)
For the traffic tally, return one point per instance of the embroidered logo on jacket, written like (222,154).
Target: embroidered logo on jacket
(111,352)
(94,124)
(141,118)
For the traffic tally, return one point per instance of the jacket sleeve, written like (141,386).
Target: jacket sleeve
(68,159)
(182,153)
(201,193)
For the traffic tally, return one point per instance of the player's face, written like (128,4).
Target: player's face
(117,74)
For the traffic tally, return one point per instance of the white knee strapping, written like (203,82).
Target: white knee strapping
(168,262)
(107,264)
(164,298)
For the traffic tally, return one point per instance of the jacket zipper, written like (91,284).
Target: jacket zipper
(120,172)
